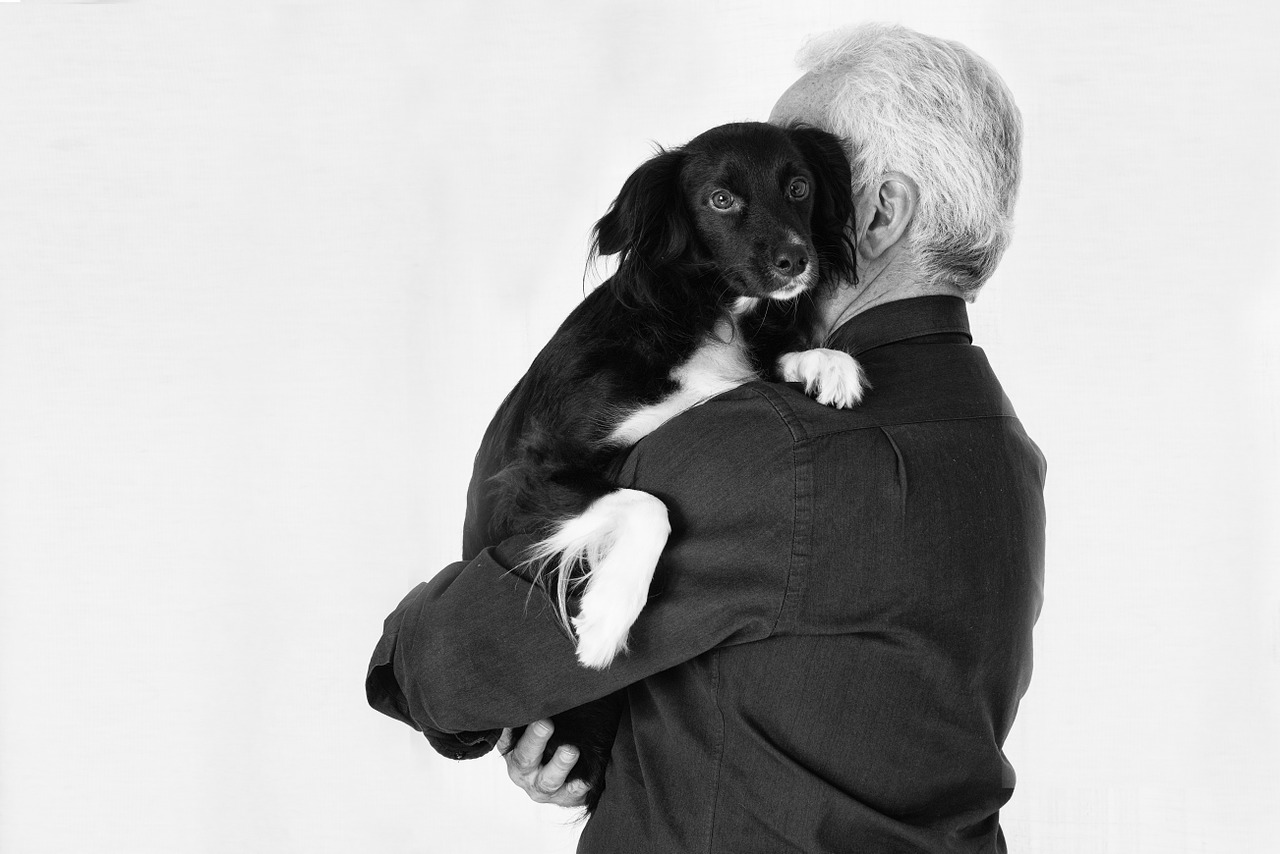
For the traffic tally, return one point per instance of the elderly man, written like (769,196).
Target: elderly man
(841,626)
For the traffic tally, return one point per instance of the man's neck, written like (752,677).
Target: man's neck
(894,282)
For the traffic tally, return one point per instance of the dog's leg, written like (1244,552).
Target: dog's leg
(619,537)
(833,377)
(618,586)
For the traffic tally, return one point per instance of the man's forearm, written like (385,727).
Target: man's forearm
(478,648)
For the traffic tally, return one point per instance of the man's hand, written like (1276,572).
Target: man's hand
(543,783)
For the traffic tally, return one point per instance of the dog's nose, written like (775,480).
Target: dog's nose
(790,260)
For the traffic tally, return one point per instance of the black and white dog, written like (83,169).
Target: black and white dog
(719,243)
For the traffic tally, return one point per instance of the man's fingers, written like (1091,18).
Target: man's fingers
(570,795)
(552,775)
(528,753)
(504,741)
(544,783)
(574,794)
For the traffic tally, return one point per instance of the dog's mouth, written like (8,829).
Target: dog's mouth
(793,286)
(789,292)
(763,281)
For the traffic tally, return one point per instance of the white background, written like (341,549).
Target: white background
(265,271)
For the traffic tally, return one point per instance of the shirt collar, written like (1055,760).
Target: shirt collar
(899,320)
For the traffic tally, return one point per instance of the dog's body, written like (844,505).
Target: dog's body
(717,240)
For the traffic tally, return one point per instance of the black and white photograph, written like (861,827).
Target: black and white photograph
(632,427)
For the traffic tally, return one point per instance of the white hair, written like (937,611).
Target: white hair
(937,112)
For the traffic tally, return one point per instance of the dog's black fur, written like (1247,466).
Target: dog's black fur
(683,265)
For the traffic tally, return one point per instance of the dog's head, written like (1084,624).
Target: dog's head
(767,207)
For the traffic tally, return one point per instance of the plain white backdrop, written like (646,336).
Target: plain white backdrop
(266,270)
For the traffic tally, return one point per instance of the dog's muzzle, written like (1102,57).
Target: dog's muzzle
(793,286)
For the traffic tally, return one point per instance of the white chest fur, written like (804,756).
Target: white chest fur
(719,364)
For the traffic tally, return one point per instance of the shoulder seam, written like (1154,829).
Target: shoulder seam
(801,508)
(784,410)
(798,436)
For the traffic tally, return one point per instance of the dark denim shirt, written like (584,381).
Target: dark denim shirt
(838,634)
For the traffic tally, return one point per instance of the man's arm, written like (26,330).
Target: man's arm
(477,648)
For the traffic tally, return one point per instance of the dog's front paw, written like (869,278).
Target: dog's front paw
(833,377)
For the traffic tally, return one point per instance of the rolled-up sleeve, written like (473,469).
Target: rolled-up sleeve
(478,647)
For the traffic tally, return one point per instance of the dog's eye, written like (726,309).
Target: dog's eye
(722,200)
(799,189)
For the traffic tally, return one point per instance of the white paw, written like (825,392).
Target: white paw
(616,593)
(618,586)
(833,377)
(602,634)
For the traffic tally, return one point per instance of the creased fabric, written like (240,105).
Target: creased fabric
(837,637)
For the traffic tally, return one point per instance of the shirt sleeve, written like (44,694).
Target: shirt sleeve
(478,648)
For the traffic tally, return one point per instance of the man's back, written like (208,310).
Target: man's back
(838,634)
(865,708)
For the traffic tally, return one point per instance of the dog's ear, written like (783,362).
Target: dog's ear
(832,220)
(647,221)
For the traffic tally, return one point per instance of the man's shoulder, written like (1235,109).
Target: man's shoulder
(759,426)
(747,428)
(753,434)
(908,384)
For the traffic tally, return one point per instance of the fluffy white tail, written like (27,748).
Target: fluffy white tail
(614,545)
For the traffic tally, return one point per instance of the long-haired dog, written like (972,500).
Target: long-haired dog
(718,242)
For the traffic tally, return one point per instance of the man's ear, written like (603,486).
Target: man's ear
(885,209)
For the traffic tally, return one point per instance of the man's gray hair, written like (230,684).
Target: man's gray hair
(936,111)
